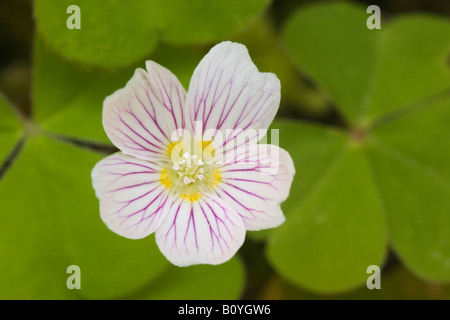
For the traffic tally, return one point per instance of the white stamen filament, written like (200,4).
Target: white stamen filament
(189,168)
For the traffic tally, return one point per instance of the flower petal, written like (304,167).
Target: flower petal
(204,231)
(141,117)
(255,182)
(133,202)
(227,92)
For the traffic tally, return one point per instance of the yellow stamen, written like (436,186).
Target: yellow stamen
(164,179)
(191,174)
(216,178)
(192,197)
(208,151)
(205,146)
(172,145)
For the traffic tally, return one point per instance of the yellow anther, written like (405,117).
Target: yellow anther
(192,197)
(216,178)
(164,179)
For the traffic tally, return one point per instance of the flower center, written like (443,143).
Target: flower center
(189,168)
(188,176)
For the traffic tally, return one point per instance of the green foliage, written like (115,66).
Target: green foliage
(390,180)
(50,222)
(332,44)
(199,21)
(68,99)
(266,50)
(397,283)
(111,34)
(412,64)
(338,236)
(414,179)
(181,61)
(199,282)
(376,176)
(9,129)
(115,34)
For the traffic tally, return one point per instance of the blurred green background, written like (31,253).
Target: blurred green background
(365,115)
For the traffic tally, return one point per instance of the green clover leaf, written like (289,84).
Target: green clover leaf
(198,282)
(388,182)
(397,284)
(50,223)
(10,130)
(200,21)
(113,34)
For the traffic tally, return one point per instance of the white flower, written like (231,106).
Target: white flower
(198,207)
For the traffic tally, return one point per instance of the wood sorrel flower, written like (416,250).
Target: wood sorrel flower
(191,169)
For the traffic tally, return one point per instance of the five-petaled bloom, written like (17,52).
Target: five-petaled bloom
(190,167)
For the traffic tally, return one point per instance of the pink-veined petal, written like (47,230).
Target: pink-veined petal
(133,202)
(204,231)
(227,92)
(141,117)
(255,181)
